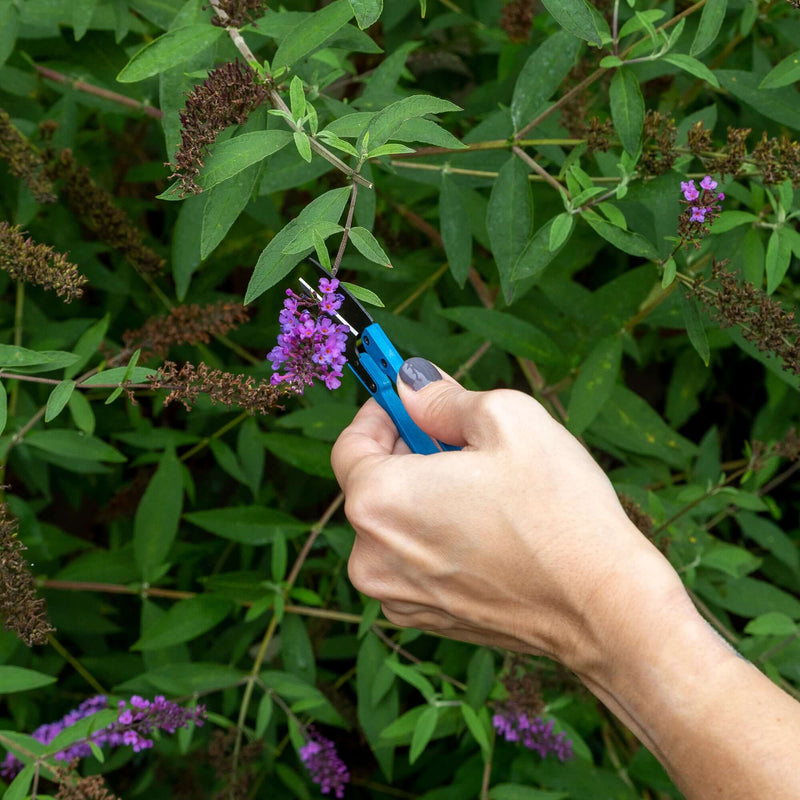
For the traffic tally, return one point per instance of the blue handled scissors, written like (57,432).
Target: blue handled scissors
(375,362)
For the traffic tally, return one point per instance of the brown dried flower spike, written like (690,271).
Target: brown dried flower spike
(24,161)
(24,259)
(516,20)
(237,12)
(226,97)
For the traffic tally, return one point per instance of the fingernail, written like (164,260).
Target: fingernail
(418,373)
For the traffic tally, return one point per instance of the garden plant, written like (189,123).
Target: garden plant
(596,203)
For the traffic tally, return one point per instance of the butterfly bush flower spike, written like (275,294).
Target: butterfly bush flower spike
(311,345)
(532,732)
(701,209)
(326,768)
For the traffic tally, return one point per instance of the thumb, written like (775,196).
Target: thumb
(439,405)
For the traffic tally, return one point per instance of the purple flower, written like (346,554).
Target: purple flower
(698,214)
(326,768)
(708,183)
(689,190)
(132,727)
(535,734)
(311,345)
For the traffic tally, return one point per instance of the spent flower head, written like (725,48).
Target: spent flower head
(326,768)
(236,13)
(311,345)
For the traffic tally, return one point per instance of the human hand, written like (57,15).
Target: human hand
(517,540)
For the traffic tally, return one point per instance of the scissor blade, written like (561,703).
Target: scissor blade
(352,312)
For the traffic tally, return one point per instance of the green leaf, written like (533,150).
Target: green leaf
(297,98)
(313,458)
(9,21)
(477,723)
(186,242)
(391,149)
(728,220)
(480,677)
(155,524)
(253,525)
(630,423)
(184,621)
(594,384)
(385,123)
(367,12)
(779,105)
(304,239)
(118,375)
(423,732)
(230,157)
(368,246)
(3,407)
(576,17)
(670,270)
(455,229)
(303,145)
(302,695)
(263,714)
(82,729)
(297,652)
(750,597)
(273,264)
(710,23)
(87,345)
(74,444)
(169,50)
(779,256)
(632,243)
(186,679)
(627,108)
(773,623)
(543,73)
(58,398)
(730,559)
(18,679)
(537,254)
(509,215)
(81,410)
(82,12)
(693,67)
(224,203)
(768,535)
(12,357)
(18,788)
(413,676)
(784,73)
(312,33)
(365,295)
(694,325)
(507,332)
(560,230)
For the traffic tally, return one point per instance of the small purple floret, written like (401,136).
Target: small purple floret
(326,768)
(535,734)
(689,190)
(708,183)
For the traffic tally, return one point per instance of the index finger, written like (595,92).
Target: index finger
(371,433)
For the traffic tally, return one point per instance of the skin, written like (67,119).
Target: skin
(519,541)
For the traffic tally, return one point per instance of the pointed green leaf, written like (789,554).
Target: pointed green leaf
(18,679)
(477,722)
(253,525)
(230,157)
(82,12)
(627,108)
(670,270)
(784,73)
(537,253)
(186,620)
(779,256)
(543,73)
(368,246)
(632,243)
(560,230)
(779,105)
(387,122)
(426,725)
(693,67)
(694,325)
(18,788)
(710,23)
(9,22)
(74,444)
(3,407)
(594,383)
(365,295)
(303,145)
(312,33)
(168,50)
(367,12)
(455,229)
(58,398)
(576,17)
(155,524)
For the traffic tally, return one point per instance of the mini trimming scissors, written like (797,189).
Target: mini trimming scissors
(375,361)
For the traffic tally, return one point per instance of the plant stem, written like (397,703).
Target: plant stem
(19,312)
(75,664)
(346,234)
(540,170)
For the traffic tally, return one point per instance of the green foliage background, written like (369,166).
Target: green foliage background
(203,554)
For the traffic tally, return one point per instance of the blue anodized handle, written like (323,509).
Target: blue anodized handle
(382,361)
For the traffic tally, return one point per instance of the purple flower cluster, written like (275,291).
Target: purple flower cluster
(137,719)
(702,207)
(326,768)
(534,733)
(311,345)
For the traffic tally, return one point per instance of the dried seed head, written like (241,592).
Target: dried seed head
(735,152)
(699,138)
(96,209)
(186,383)
(22,611)
(658,154)
(778,159)
(237,12)
(226,97)
(516,20)
(26,260)
(24,161)
(188,324)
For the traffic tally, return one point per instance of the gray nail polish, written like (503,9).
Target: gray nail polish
(418,373)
